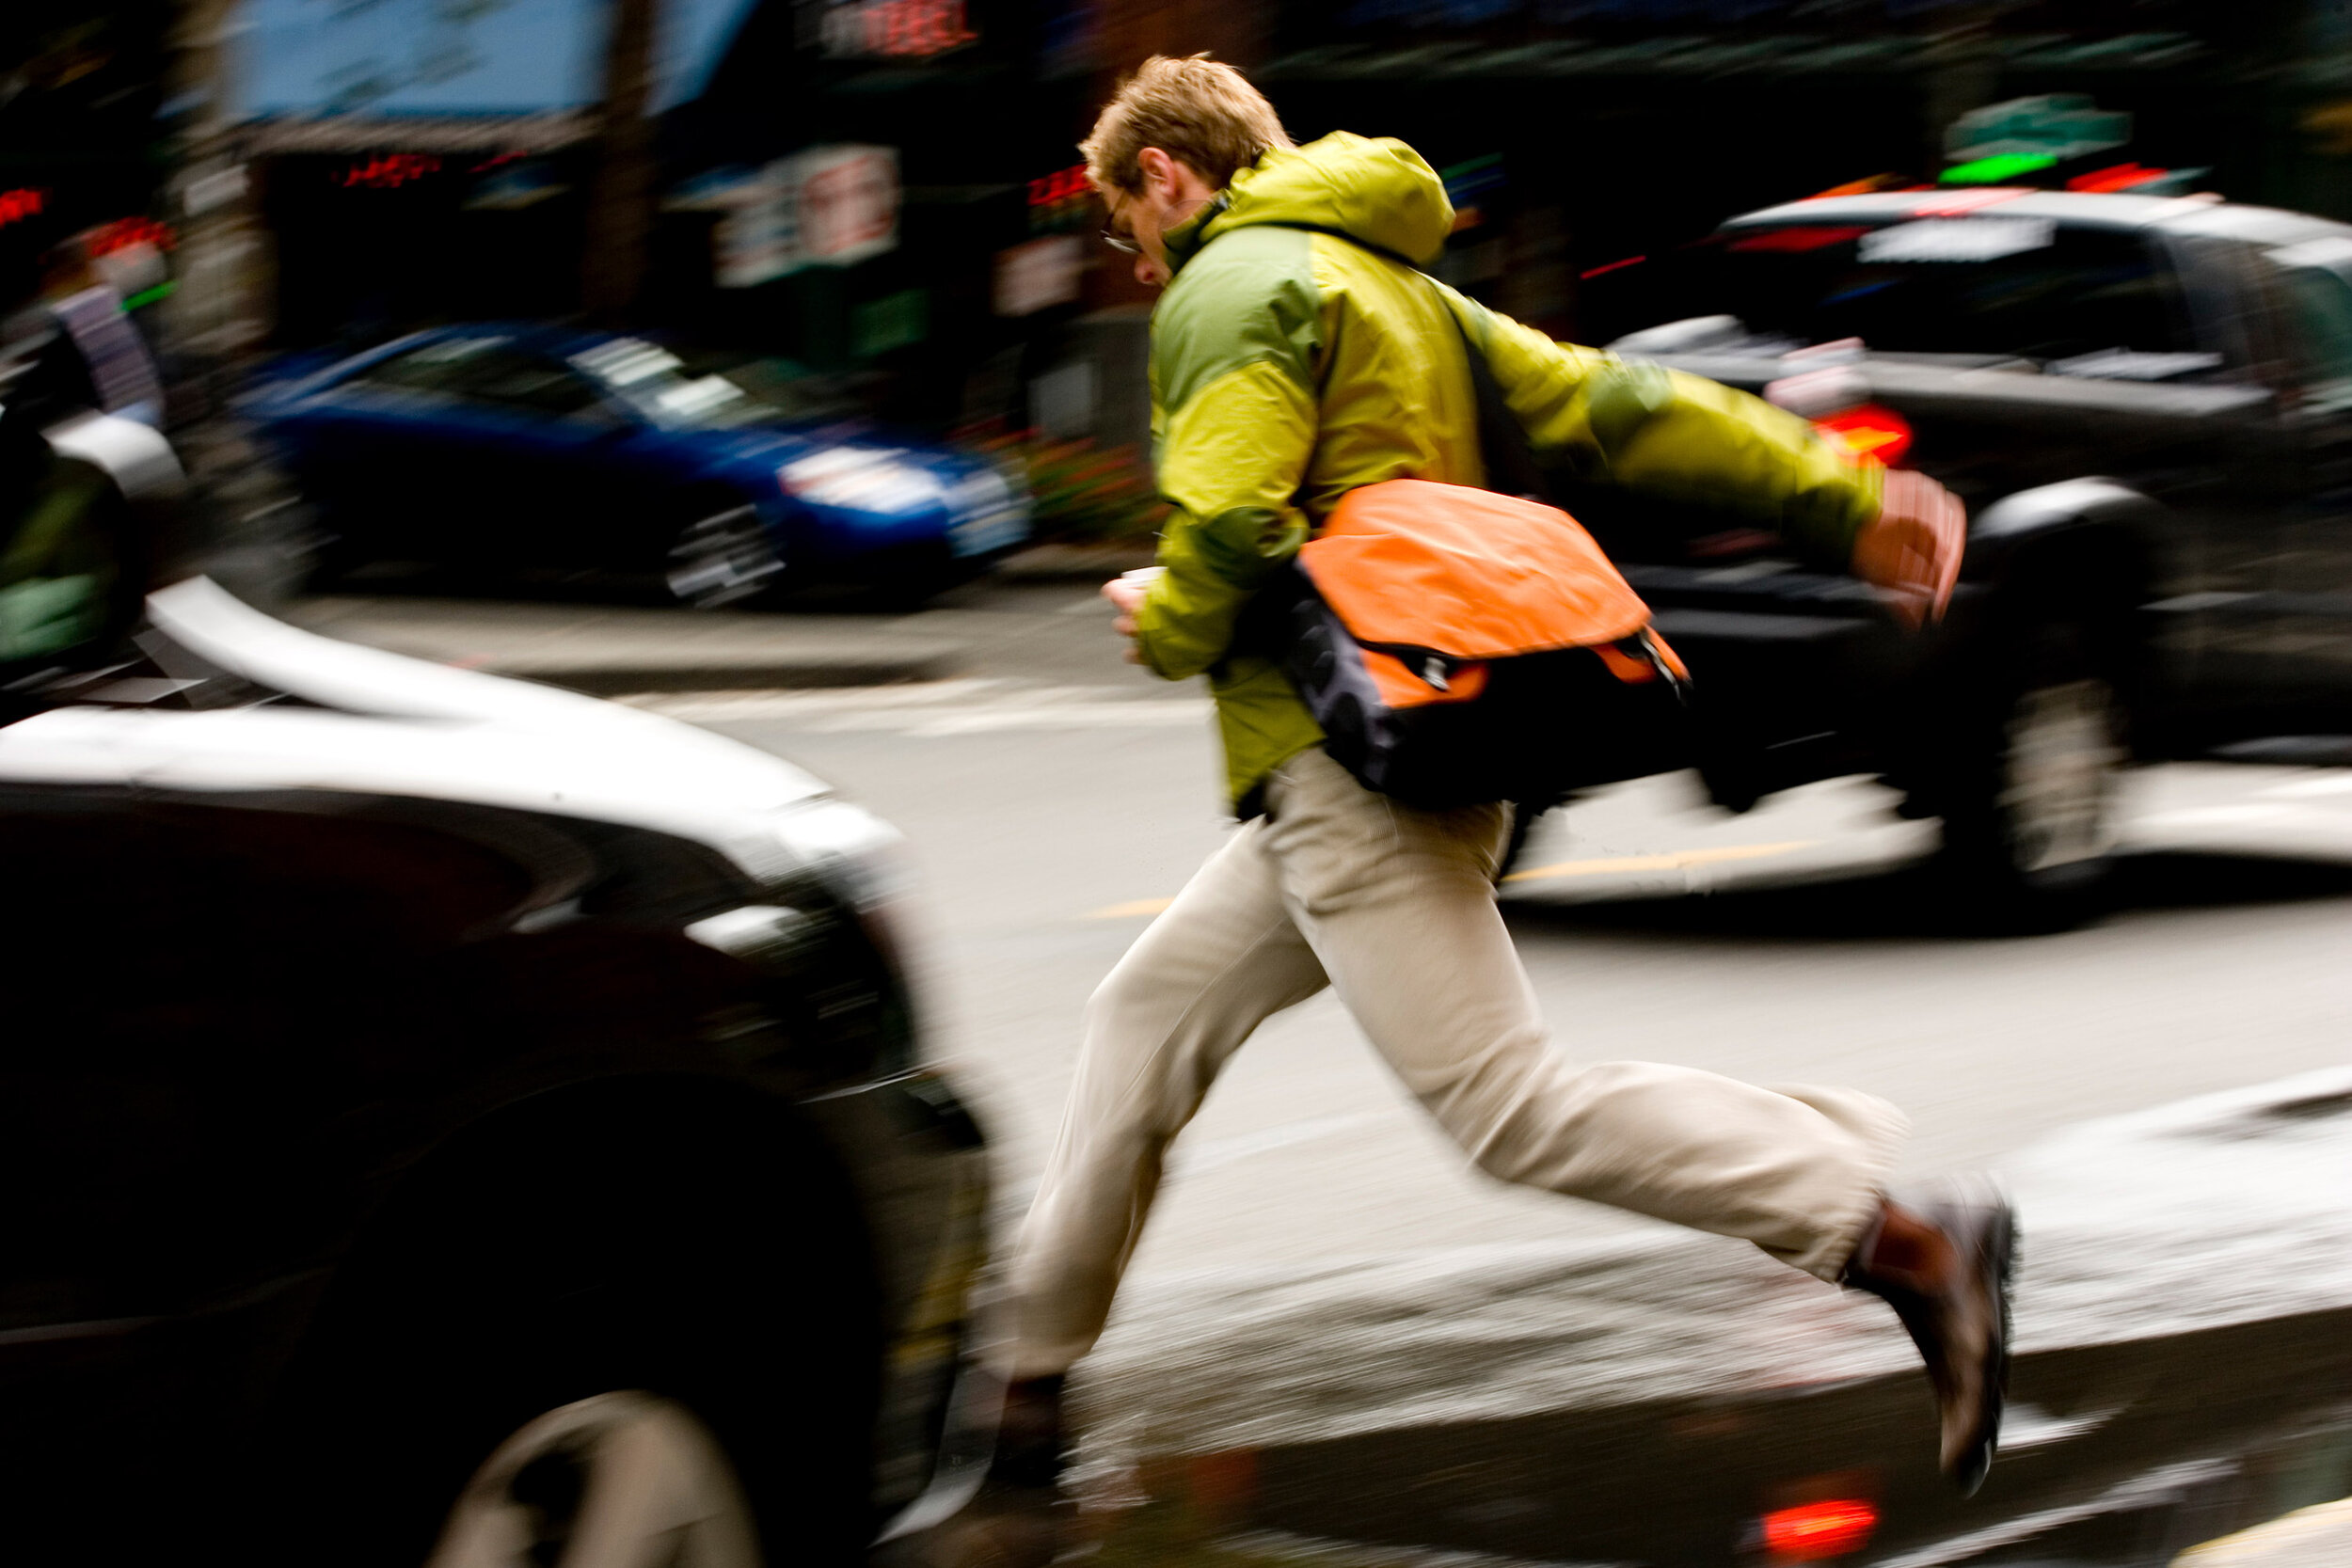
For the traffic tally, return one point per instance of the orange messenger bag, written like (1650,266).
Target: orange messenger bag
(1460,646)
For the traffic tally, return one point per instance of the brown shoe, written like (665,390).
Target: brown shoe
(1942,1259)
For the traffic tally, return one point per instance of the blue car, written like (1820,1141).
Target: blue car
(498,448)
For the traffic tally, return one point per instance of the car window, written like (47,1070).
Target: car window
(2319,317)
(489,369)
(705,393)
(528,382)
(443,366)
(2073,301)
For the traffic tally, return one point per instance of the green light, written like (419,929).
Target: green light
(1992,170)
(148,296)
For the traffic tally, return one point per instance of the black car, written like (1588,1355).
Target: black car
(404,1067)
(2147,404)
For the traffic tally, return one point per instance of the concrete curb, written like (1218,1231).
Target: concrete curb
(1070,562)
(613,680)
(2319,1537)
(607,651)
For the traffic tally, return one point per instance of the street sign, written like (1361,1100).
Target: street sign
(829,206)
(848,204)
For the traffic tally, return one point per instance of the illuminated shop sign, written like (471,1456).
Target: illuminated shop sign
(1059,201)
(125,233)
(390,170)
(829,206)
(892,29)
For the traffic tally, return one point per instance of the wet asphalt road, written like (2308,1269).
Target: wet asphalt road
(1403,1353)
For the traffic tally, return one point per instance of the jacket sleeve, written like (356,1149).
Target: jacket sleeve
(1679,437)
(1232,353)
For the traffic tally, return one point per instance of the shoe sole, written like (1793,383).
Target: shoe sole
(1997,1247)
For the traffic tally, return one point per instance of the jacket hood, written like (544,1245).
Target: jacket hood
(1376,191)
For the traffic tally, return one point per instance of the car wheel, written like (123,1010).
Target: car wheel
(2029,820)
(623,1478)
(723,557)
(592,1242)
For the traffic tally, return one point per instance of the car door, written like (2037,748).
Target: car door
(386,449)
(2308,593)
(2227,497)
(553,460)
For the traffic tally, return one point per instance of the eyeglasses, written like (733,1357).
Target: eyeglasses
(1124,243)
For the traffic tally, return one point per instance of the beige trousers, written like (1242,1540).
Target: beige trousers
(1394,908)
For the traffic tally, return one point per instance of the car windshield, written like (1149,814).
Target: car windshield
(1981,287)
(709,393)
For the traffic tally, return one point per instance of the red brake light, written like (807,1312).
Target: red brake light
(1801,237)
(1816,1532)
(1874,433)
(2120,177)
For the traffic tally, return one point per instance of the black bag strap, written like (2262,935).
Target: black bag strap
(1503,444)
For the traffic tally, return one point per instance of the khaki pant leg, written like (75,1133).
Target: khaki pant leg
(1398,906)
(1221,959)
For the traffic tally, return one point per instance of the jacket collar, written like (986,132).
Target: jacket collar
(1185,241)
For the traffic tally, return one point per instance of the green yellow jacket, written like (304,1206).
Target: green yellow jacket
(1291,364)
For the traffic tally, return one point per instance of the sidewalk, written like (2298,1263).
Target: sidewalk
(2318,1537)
(604,649)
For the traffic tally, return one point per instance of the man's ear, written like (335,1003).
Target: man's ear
(1158,171)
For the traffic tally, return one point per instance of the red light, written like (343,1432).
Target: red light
(390,169)
(123,233)
(1871,186)
(1815,1532)
(18,204)
(1066,184)
(1613,266)
(2119,177)
(1803,237)
(1869,432)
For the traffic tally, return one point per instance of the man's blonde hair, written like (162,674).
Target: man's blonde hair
(1198,111)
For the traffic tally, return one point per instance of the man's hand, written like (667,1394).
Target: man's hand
(1126,593)
(1910,550)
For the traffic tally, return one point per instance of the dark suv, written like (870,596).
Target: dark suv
(2147,404)
(437,1108)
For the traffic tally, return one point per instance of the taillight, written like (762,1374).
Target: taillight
(1868,431)
(1817,1532)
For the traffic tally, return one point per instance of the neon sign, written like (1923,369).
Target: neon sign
(18,205)
(390,170)
(896,29)
(1067,184)
(123,233)
(1058,200)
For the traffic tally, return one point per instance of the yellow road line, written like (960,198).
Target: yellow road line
(1676,861)
(1130,910)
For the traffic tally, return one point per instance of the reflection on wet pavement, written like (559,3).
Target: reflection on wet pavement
(2184,1324)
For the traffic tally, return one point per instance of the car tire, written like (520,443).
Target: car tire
(2029,800)
(725,556)
(626,1479)
(568,1252)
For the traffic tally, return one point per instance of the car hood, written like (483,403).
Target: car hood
(369,723)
